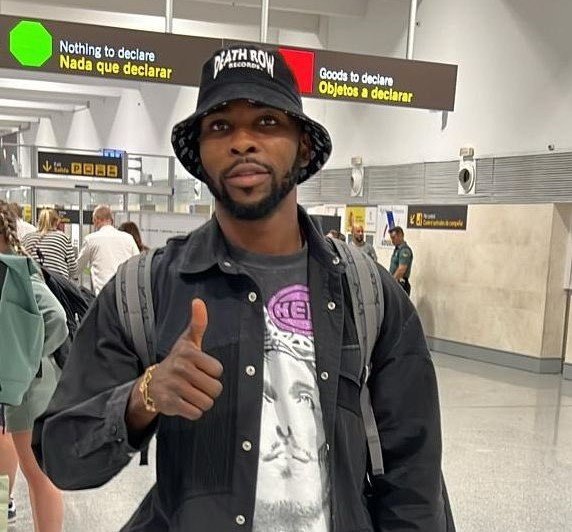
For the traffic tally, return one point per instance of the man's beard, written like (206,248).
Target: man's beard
(286,516)
(267,205)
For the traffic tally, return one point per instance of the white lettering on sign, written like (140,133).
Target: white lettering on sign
(244,58)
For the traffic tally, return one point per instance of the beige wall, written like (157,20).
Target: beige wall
(555,312)
(569,343)
(498,285)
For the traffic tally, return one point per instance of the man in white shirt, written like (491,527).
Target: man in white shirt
(23,227)
(105,249)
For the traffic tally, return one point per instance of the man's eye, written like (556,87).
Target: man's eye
(304,397)
(218,125)
(268,121)
(267,398)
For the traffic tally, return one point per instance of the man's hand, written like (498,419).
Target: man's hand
(186,383)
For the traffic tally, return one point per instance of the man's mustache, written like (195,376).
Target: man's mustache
(246,160)
(294,452)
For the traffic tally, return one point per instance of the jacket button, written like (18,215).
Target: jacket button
(246,446)
(227,264)
(324,375)
(336,261)
(252,297)
(331,305)
(250,371)
(240,520)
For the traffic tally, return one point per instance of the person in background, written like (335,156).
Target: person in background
(51,247)
(358,240)
(23,227)
(401,260)
(8,467)
(133,230)
(16,445)
(105,249)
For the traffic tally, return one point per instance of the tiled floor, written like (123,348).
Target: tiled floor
(508,457)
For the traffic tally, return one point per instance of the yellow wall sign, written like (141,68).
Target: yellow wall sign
(355,215)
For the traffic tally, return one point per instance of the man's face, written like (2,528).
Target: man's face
(293,452)
(252,156)
(396,238)
(357,234)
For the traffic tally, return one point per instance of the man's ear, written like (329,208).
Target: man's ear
(304,149)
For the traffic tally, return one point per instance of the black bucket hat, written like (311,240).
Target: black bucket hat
(260,75)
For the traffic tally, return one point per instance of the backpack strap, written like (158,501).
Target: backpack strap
(134,300)
(366,293)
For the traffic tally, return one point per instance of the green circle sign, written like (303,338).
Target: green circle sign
(30,43)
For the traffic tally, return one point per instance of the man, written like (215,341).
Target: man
(401,260)
(255,399)
(358,240)
(105,249)
(24,227)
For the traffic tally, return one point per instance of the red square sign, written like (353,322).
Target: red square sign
(301,62)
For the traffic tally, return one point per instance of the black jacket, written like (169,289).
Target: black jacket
(205,480)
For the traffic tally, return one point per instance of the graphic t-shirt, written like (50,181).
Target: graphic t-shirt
(292,492)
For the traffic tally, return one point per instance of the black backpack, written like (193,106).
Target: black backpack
(75,302)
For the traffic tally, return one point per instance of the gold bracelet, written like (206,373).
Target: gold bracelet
(144,389)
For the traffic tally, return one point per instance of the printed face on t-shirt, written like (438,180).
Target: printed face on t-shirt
(292,444)
(290,450)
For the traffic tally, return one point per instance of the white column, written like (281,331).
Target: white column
(264,21)
(411,33)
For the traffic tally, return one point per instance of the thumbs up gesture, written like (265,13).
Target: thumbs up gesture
(187,382)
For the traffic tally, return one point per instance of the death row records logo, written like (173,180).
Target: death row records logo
(289,310)
(31,44)
(244,58)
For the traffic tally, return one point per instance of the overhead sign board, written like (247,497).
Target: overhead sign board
(79,165)
(437,217)
(119,53)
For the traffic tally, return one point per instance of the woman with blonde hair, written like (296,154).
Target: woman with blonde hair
(50,247)
(45,498)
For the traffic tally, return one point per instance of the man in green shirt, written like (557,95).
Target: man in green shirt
(401,260)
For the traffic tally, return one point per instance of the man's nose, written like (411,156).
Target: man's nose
(243,143)
(284,433)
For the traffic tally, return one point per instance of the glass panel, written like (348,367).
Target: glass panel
(9,165)
(148,202)
(150,170)
(189,191)
(20,195)
(92,199)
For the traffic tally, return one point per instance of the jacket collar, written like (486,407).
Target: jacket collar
(207,247)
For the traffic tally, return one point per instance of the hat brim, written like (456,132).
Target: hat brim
(186,134)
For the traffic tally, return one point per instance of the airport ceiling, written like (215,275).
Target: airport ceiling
(220,10)
(25,101)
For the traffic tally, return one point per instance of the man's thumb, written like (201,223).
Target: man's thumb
(198,322)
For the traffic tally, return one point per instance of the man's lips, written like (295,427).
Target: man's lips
(247,175)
